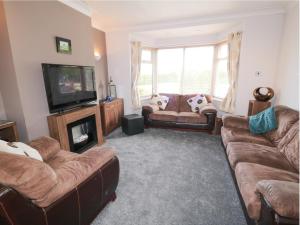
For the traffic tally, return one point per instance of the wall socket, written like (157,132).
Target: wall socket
(258,73)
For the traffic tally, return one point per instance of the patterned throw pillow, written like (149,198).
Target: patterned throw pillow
(159,100)
(197,102)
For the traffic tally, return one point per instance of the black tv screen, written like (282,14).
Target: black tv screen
(68,86)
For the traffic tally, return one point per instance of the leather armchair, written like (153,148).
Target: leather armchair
(76,197)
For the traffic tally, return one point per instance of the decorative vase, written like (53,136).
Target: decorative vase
(263,94)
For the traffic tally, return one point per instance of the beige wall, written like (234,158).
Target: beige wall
(8,81)
(287,79)
(2,109)
(32,27)
(101,66)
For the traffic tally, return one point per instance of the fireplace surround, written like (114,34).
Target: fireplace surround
(77,130)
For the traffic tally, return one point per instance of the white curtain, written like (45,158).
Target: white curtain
(136,52)
(234,45)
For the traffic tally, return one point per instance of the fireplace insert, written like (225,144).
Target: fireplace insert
(82,134)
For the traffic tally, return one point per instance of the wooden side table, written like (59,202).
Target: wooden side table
(8,131)
(218,126)
(257,106)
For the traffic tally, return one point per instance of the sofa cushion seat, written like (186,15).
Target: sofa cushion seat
(242,135)
(191,117)
(248,174)
(71,173)
(255,153)
(170,116)
(60,158)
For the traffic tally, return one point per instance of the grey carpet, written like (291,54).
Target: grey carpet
(172,177)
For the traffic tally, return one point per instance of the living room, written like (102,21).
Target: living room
(141,112)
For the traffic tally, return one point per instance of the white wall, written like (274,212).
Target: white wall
(287,79)
(259,52)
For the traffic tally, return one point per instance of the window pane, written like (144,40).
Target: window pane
(145,80)
(169,70)
(221,84)
(198,65)
(223,51)
(146,55)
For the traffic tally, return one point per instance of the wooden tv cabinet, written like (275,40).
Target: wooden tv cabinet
(111,113)
(58,124)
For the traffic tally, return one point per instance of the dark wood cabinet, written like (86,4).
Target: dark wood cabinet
(8,131)
(111,113)
(257,106)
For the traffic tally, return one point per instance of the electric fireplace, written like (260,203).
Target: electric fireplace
(82,134)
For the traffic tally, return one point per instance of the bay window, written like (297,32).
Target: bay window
(145,82)
(185,70)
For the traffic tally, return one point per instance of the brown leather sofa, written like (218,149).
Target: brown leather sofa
(266,167)
(65,189)
(178,114)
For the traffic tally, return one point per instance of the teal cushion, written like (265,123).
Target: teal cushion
(263,122)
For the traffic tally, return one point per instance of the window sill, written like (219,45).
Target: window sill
(216,99)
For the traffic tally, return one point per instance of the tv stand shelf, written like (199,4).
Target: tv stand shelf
(58,124)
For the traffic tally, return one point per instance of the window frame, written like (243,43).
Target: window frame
(151,62)
(154,62)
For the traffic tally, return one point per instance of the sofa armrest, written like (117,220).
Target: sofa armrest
(282,196)
(46,146)
(150,108)
(209,108)
(231,121)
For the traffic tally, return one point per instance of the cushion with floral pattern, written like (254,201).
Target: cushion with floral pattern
(159,100)
(197,102)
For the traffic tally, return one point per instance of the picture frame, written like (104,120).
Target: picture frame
(63,45)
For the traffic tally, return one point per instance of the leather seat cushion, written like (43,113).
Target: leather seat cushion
(255,153)
(242,135)
(191,117)
(164,116)
(71,173)
(248,174)
(60,158)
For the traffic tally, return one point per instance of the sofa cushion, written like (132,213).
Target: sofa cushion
(173,104)
(20,148)
(283,196)
(291,151)
(60,158)
(242,135)
(46,146)
(248,174)
(286,117)
(160,100)
(71,173)
(191,117)
(255,153)
(170,116)
(30,177)
(183,104)
(197,102)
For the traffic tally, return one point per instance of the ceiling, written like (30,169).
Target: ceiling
(189,31)
(109,15)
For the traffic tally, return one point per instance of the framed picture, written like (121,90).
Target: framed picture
(63,45)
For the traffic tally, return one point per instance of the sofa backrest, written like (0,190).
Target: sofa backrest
(286,117)
(173,104)
(184,106)
(178,103)
(289,146)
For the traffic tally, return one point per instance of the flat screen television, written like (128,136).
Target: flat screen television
(68,86)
